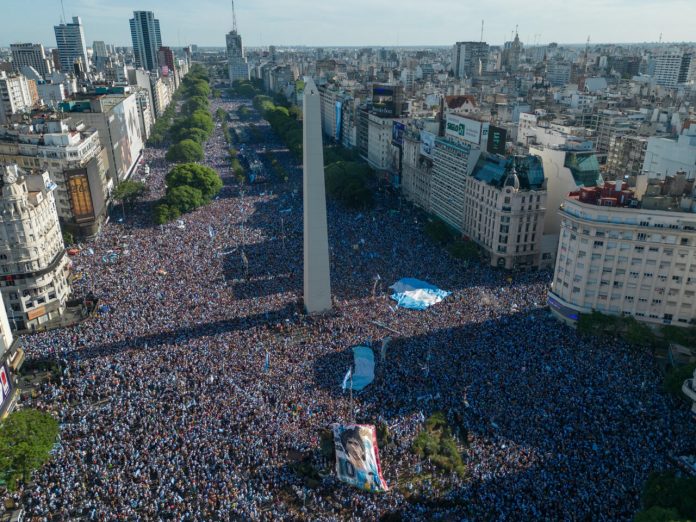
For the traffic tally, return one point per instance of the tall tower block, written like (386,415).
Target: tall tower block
(317,282)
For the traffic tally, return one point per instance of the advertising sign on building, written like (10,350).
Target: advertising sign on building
(79,194)
(464,128)
(496,140)
(398,129)
(339,122)
(427,144)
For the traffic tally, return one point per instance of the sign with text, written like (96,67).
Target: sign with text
(496,140)
(463,128)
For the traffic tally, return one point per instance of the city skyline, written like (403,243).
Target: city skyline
(412,24)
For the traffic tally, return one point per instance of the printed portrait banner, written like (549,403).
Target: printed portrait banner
(357,457)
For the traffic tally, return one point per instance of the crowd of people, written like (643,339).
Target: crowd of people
(201,384)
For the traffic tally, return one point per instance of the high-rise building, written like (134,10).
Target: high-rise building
(165,57)
(469,59)
(674,67)
(147,39)
(99,49)
(15,96)
(236,60)
(32,55)
(33,263)
(99,55)
(70,40)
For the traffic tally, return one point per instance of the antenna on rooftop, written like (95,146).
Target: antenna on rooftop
(482,31)
(62,10)
(234,18)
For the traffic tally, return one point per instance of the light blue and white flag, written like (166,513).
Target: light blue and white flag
(347,379)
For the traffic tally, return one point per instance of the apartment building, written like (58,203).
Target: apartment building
(504,207)
(453,162)
(75,161)
(626,251)
(15,96)
(33,264)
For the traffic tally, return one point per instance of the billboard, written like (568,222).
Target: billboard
(80,195)
(357,457)
(339,113)
(427,147)
(383,109)
(398,129)
(36,312)
(463,128)
(496,140)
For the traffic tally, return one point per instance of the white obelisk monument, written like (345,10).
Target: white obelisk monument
(317,283)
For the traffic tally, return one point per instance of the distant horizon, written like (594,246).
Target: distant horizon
(382,46)
(306,23)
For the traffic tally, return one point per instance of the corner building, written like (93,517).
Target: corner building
(622,255)
(33,263)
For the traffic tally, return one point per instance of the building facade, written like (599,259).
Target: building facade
(33,264)
(626,156)
(237,66)
(15,96)
(453,162)
(622,255)
(505,203)
(666,156)
(76,163)
(469,59)
(32,55)
(115,116)
(70,41)
(146,38)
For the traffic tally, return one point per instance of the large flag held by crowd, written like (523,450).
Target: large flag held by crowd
(357,457)
(416,294)
(364,372)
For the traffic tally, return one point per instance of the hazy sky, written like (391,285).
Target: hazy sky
(359,22)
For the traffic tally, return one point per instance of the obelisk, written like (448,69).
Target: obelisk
(317,282)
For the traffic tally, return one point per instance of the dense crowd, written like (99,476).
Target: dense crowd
(169,411)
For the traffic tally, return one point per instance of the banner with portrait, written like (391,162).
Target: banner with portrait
(357,457)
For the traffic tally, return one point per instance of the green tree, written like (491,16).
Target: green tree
(674,380)
(667,490)
(26,439)
(185,198)
(192,133)
(658,514)
(347,182)
(439,231)
(221,114)
(164,213)
(201,120)
(195,103)
(129,191)
(196,87)
(68,238)
(185,151)
(197,176)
